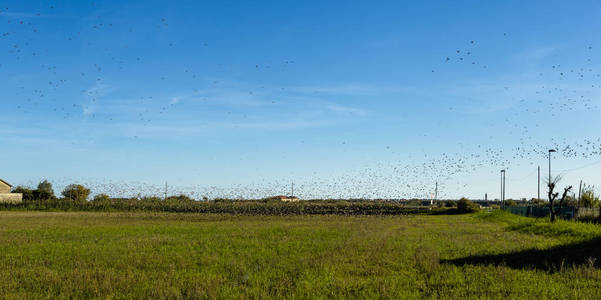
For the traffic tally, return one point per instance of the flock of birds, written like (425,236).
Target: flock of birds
(573,89)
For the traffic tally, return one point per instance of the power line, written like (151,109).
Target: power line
(581,167)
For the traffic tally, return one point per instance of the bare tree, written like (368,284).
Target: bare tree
(553,197)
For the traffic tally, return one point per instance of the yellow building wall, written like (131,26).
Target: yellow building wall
(4,189)
(11,198)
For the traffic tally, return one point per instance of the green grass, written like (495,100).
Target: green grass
(169,255)
(569,230)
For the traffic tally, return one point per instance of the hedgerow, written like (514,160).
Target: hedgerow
(223,206)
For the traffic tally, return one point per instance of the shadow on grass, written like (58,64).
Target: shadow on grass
(587,254)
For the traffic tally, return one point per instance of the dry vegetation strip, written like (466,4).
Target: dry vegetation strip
(168,255)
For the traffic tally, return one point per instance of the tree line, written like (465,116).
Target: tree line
(75,197)
(75,193)
(44,191)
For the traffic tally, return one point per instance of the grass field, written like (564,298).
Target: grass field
(163,255)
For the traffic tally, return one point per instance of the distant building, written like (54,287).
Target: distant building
(4,187)
(6,196)
(285,198)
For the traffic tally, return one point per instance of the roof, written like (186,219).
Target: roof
(6,183)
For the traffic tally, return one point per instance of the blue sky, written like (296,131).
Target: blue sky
(345,98)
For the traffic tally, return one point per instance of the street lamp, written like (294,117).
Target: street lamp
(550,150)
(502,187)
(504,172)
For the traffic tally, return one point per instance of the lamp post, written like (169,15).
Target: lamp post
(502,187)
(538,184)
(504,172)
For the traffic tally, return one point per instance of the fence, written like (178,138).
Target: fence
(567,213)
(588,213)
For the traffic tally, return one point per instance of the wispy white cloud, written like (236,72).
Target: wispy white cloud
(188,129)
(533,55)
(348,89)
(34,137)
(92,98)
(244,98)
(513,91)
(217,110)
(344,109)
(21,15)
(274,125)
(227,97)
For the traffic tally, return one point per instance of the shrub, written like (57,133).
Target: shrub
(181,197)
(466,206)
(27,192)
(450,204)
(510,202)
(588,197)
(537,202)
(76,193)
(102,197)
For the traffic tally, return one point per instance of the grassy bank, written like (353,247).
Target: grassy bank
(166,255)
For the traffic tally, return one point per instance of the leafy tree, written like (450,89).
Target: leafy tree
(464,205)
(102,197)
(510,202)
(44,191)
(571,201)
(414,202)
(27,192)
(588,197)
(180,198)
(537,202)
(151,199)
(450,204)
(76,193)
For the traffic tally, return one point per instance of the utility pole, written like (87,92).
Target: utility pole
(486,197)
(165,190)
(538,198)
(501,197)
(502,187)
(292,195)
(579,190)
(436,192)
